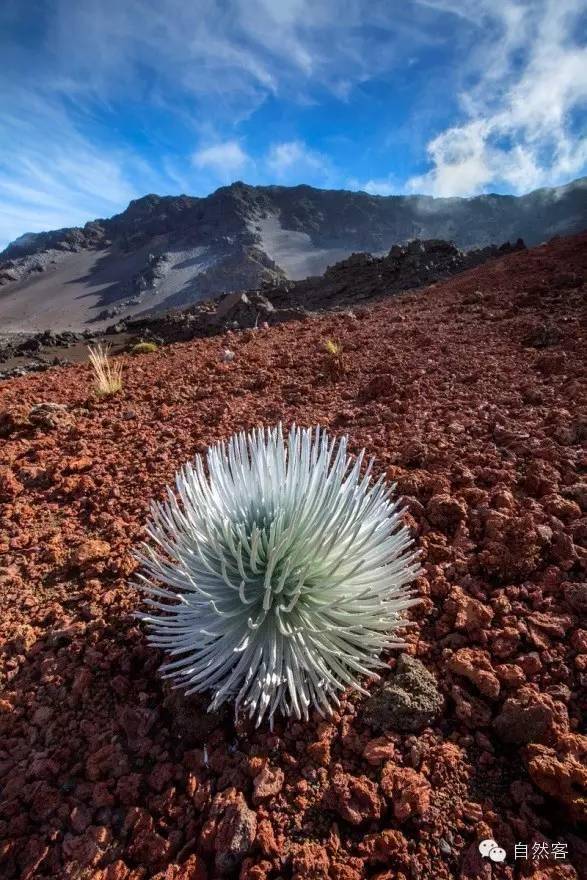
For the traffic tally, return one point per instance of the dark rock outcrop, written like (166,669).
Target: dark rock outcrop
(408,701)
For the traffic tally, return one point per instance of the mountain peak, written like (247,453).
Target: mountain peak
(170,251)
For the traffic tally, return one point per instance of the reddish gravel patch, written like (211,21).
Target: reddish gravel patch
(471,395)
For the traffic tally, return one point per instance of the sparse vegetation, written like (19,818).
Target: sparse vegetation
(107,373)
(335,357)
(144,348)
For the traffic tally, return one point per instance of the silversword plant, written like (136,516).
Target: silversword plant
(278,577)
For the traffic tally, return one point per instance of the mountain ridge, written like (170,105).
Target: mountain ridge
(166,252)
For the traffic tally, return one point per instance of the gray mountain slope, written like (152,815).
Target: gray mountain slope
(169,251)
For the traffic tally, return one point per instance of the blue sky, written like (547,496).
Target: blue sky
(105,101)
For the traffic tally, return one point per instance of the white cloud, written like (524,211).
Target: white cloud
(53,176)
(192,73)
(518,129)
(224,159)
(384,187)
(294,158)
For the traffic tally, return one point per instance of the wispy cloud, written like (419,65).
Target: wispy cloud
(62,179)
(205,67)
(296,158)
(519,121)
(103,102)
(224,159)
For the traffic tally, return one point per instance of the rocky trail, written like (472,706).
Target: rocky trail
(471,395)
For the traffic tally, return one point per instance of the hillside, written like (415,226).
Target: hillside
(472,398)
(169,252)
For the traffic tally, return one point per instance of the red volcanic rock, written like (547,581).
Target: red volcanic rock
(81,682)
(379,750)
(576,596)
(194,868)
(562,508)
(319,751)
(87,849)
(512,546)
(505,642)
(80,818)
(407,790)
(146,845)
(474,664)
(354,798)
(446,512)
(469,614)
(386,848)
(561,771)
(14,418)
(108,761)
(161,776)
(89,552)
(266,840)
(311,861)
(531,717)
(108,773)
(472,711)
(10,487)
(267,783)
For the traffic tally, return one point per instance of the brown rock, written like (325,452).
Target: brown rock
(90,552)
(474,664)
(531,717)
(230,830)
(562,772)
(408,790)
(408,701)
(10,487)
(379,750)
(267,783)
(388,848)
(354,798)
(49,416)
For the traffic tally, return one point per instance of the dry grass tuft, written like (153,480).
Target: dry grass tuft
(107,373)
(335,361)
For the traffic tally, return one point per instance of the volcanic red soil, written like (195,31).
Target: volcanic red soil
(471,396)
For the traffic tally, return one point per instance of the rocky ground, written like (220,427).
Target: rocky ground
(471,395)
(359,278)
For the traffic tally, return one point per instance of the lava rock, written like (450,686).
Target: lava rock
(408,701)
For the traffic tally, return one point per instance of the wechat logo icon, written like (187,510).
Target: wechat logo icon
(489,849)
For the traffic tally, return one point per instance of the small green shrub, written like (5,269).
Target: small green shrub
(144,348)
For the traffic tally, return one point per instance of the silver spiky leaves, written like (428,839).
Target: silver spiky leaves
(277,579)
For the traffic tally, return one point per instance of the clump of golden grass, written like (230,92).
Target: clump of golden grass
(335,351)
(107,373)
